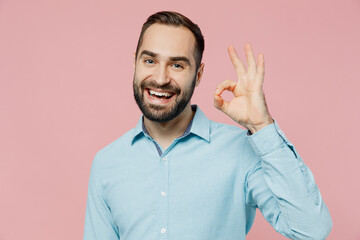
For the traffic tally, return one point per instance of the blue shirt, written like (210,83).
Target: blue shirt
(205,186)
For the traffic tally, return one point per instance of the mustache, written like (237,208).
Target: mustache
(169,87)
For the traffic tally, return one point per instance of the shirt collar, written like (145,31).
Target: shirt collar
(199,125)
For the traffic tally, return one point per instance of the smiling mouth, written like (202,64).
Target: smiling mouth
(159,95)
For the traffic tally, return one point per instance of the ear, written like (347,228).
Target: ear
(199,74)
(134,60)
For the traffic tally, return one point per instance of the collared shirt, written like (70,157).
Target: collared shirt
(205,186)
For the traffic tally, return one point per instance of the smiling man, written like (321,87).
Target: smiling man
(166,73)
(178,175)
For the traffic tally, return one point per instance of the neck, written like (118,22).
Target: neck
(166,132)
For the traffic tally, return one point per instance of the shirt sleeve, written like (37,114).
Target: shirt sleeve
(284,189)
(99,223)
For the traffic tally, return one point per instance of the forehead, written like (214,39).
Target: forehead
(169,41)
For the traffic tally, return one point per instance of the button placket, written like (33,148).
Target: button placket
(164,162)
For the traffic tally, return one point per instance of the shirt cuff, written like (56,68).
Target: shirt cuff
(267,139)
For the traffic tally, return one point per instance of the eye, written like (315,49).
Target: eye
(149,61)
(176,65)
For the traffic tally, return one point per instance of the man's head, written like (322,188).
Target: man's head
(167,65)
(176,20)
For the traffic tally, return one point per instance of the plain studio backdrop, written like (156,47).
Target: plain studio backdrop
(66,71)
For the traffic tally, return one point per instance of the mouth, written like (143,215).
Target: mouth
(159,96)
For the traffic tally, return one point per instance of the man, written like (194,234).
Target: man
(178,175)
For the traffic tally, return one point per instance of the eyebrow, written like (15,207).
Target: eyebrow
(146,52)
(177,58)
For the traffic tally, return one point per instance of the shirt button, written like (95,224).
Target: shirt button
(163,230)
(301,164)
(164,159)
(163,194)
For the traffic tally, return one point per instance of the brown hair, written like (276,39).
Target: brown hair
(175,19)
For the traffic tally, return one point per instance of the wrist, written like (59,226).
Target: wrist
(255,128)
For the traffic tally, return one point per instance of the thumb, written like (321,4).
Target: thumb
(220,103)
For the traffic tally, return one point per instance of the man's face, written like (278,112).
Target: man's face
(165,73)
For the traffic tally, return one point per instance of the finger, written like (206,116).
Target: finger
(261,66)
(225,85)
(239,67)
(250,59)
(220,103)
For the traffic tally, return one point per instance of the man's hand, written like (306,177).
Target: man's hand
(248,107)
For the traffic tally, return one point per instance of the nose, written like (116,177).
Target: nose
(162,75)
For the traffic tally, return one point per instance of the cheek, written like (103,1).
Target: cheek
(139,75)
(187,81)
(142,75)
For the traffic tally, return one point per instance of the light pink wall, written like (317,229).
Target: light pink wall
(66,91)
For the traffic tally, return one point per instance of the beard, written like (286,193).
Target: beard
(158,113)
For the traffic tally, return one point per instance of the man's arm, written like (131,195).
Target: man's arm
(99,222)
(281,185)
(284,189)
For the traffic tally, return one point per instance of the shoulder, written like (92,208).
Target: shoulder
(226,130)
(231,137)
(114,150)
(234,142)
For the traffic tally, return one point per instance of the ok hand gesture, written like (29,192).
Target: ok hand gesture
(248,107)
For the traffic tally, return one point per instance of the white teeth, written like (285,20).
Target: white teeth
(160,94)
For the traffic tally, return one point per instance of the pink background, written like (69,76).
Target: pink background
(66,72)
